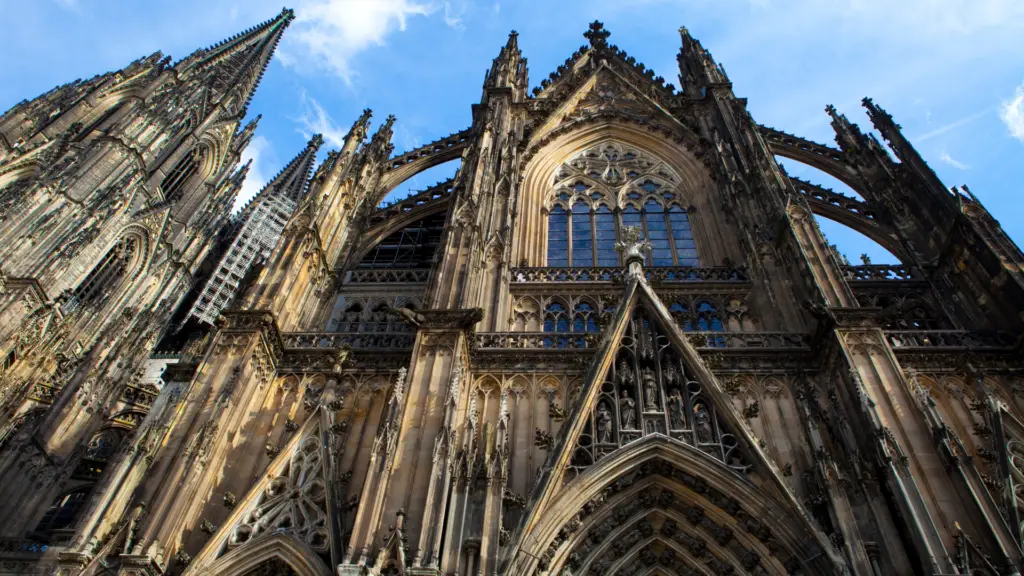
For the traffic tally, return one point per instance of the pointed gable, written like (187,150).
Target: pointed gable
(649,397)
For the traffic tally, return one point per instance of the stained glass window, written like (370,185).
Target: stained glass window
(585,221)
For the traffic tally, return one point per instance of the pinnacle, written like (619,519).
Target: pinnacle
(597,35)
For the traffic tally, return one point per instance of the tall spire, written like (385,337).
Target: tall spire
(697,69)
(292,181)
(509,69)
(244,135)
(232,69)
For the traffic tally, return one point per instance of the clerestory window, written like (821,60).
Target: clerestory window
(607,188)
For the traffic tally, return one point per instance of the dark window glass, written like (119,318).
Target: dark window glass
(558,237)
(604,226)
(582,239)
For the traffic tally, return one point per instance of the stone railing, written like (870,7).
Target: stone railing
(535,340)
(138,396)
(582,341)
(876,272)
(613,274)
(387,276)
(357,340)
(950,339)
(751,340)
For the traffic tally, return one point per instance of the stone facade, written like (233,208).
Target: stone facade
(616,342)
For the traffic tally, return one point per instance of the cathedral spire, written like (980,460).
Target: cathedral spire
(232,69)
(697,69)
(244,136)
(292,181)
(360,128)
(509,69)
(848,134)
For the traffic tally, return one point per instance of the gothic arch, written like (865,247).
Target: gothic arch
(661,479)
(377,233)
(129,253)
(548,156)
(242,560)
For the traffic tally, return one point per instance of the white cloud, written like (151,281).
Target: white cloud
(1012,114)
(316,120)
(257,151)
(951,126)
(453,20)
(326,34)
(946,158)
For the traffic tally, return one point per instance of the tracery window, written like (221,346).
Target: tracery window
(108,275)
(63,512)
(173,185)
(606,188)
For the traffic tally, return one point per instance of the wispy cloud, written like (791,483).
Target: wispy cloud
(258,150)
(1012,114)
(453,20)
(327,34)
(316,120)
(951,126)
(947,159)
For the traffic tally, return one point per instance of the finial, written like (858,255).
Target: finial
(513,35)
(288,14)
(830,110)
(632,245)
(316,141)
(597,35)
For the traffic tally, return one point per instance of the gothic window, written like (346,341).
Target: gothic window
(349,321)
(173,185)
(63,512)
(556,318)
(584,318)
(607,188)
(108,275)
(707,318)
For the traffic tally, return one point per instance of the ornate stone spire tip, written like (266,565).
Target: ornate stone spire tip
(316,141)
(597,35)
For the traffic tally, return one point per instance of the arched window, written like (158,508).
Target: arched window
(607,188)
(174,184)
(556,318)
(584,318)
(349,321)
(63,512)
(109,274)
(707,317)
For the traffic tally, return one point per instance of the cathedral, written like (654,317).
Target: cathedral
(614,343)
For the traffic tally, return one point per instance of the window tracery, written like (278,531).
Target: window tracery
(63,512)
(109,274)
(606,188)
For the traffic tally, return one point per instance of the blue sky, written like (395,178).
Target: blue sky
(950,71)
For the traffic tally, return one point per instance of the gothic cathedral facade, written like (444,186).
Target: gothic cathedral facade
(615,342)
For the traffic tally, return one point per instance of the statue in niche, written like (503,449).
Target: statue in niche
(650,391)
(625,374)
(604,424)
(702,422)
(676,415)
(627,406)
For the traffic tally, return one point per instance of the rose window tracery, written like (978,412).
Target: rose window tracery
(609,187)
(294,501)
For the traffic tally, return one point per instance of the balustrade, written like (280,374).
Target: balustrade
(879,272)
(386,276)
(614,274)
(361,340)
(582,341)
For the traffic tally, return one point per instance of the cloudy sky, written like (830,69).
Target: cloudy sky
(950,71)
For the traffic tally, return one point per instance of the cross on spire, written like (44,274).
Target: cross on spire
(597,35)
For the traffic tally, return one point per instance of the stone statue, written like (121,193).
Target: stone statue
(604,424)
(702,422)
(677,418)
(650,391)
(627,408)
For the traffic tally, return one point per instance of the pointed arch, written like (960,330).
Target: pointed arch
(243,561)
(410,241)
(118,268)
(692,501)
(553,156)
